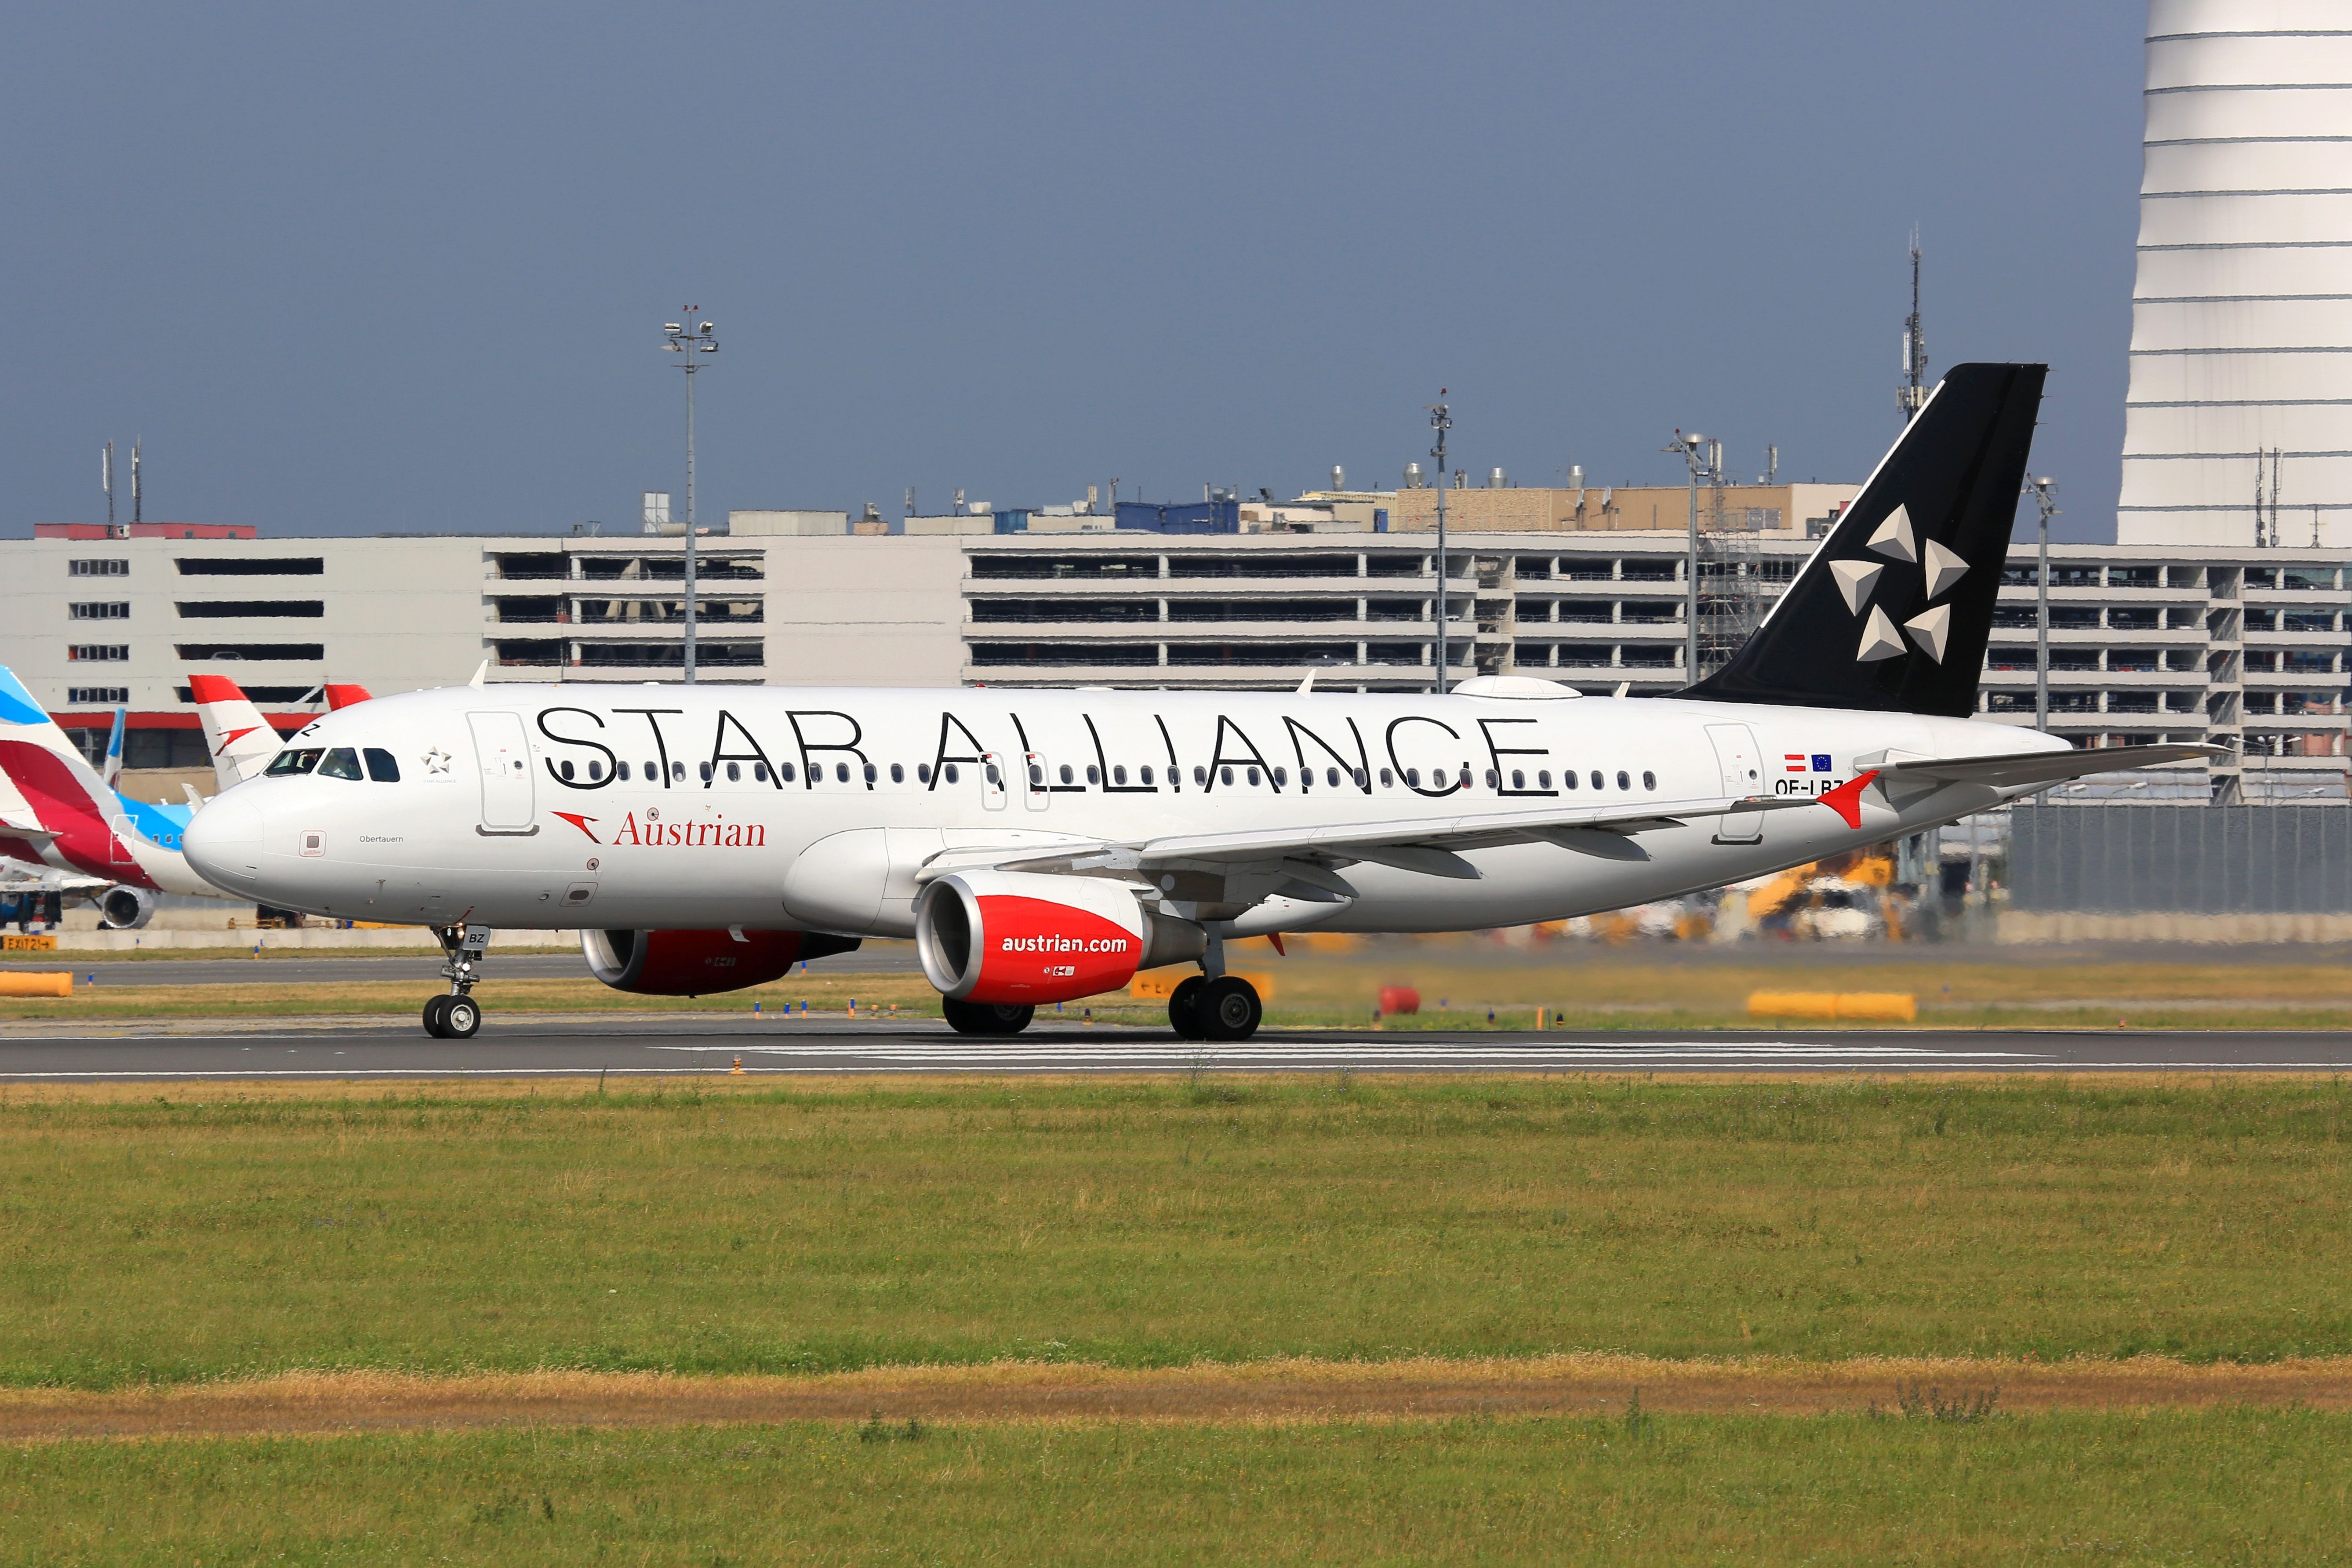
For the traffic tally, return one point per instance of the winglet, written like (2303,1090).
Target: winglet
(1846,799)
(480,671)
(1306,687)
(1275,936)
(196,800)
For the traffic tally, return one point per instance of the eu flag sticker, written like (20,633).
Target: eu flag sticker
(1821,761)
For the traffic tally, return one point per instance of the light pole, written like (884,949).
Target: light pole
(2040,488)
(1440,420)
(689,342)
(1690,447)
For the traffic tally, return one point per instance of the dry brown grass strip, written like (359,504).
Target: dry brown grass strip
(1257,1392)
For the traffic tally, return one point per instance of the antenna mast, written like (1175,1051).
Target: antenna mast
(1912,396)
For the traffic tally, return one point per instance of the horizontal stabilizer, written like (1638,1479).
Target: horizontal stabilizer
(2019,769)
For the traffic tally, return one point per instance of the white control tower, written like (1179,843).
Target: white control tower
(2240,417)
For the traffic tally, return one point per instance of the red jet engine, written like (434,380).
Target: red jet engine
(1016,938)
(698,962)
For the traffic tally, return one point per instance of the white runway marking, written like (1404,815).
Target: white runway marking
(1276,1054)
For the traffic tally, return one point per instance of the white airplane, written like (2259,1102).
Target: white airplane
(1044,845)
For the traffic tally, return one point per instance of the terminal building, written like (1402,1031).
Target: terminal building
(2242,646)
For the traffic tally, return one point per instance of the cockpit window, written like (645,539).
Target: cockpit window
(294,760)
(382,765)
(342,763)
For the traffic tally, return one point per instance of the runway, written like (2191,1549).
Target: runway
(523,1048)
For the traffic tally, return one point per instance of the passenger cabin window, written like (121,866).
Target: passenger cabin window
(1598,781)
(870,773)
(1225,775)
(1146,775)
(841,772)
(292,760)
(1093,774)
(1066,772)
(621,771)
(384,768)
(1413,778)
(1386,780)
(340,763)
(595,770)
(1567,780)
(759,773)
(1199,775)
(897,773)
(563,770)
(734,772)
(1623,781)
(1253,778)
(704,770)
(678,771)
(1649,780)
(923,773)
(785,771)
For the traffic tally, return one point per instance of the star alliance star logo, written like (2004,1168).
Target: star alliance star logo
(1931,629)
(436,761)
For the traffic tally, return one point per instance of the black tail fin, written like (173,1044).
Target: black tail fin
(1893,610)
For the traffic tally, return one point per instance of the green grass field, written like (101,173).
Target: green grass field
(832,1226)
(165,1237)
(2221,1487)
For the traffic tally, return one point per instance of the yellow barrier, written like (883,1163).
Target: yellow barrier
(17,942)
(23,982)
(1837,1006)
(1159,985)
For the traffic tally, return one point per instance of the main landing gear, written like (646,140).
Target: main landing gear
(1225,1008)
(985,1017)
(456,1015)
(1213,1005)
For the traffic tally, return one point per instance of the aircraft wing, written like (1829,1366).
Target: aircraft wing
(16,877)
(1422,844)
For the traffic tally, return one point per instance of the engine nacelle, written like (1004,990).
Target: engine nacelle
(1017,937)
(698,962)
(125,908)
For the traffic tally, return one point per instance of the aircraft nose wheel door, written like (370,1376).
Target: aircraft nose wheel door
(503,754)
(1743,775)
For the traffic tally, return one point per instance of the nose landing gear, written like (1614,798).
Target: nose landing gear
(456,1015)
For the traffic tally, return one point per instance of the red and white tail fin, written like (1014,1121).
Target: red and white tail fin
(345,696)
(240,739)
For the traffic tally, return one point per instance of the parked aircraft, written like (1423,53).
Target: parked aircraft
(55,812)
(1043,846)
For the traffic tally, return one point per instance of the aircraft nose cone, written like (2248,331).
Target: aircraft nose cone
(223,842)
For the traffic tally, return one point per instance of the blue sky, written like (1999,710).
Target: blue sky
(404,268)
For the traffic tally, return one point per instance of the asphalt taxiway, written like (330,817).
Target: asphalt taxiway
(521,1049)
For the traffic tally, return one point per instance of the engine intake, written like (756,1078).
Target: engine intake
(1018,938)
(698,962)
(123,908)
